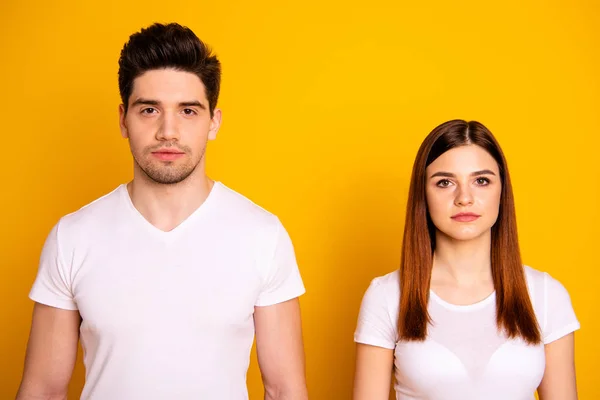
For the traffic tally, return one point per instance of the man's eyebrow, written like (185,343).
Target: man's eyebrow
(149,102)
(194,103)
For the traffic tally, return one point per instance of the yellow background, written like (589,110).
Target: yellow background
(325,105)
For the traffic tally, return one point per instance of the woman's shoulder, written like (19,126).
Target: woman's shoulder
(379,312)
(386,285)
(542,281)
(384,289)
(534,276)
(552,304)
(391,278)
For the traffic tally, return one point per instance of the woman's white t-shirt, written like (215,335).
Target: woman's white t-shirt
(464,356)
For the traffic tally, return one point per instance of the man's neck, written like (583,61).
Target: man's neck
(167,206)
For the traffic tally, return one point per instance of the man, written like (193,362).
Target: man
(167,278)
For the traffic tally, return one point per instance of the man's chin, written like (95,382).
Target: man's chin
(168,176)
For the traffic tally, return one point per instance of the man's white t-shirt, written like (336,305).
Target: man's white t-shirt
(167,315)
(464,357)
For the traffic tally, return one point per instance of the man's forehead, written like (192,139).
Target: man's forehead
(169,85)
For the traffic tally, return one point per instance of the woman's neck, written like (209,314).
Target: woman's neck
(462,263)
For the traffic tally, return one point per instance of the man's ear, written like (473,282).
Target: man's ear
(122,122)
(215,124)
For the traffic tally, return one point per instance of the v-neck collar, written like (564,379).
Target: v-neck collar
(168,235)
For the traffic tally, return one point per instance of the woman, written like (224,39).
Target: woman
(462,318)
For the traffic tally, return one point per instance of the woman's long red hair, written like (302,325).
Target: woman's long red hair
(514,311)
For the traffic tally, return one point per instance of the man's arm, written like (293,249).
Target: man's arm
(51,354)
(280,350)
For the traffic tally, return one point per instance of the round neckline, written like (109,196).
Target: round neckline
(463,307)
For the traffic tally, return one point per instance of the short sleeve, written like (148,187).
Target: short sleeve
(375,326)
(282,281)
(52,285)
(560,318)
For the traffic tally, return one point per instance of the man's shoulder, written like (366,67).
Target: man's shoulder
(239,207)
(94,212)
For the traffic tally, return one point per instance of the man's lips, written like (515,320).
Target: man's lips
(168,154)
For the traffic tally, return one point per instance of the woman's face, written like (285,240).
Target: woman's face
(463,191)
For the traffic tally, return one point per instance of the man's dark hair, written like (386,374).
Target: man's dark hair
(174,46)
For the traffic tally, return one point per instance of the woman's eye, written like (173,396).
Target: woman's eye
(482,181)
(443,183)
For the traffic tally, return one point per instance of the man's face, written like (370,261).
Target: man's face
(168,124)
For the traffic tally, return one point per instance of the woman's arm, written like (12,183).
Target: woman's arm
(559,381)
(372,377)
